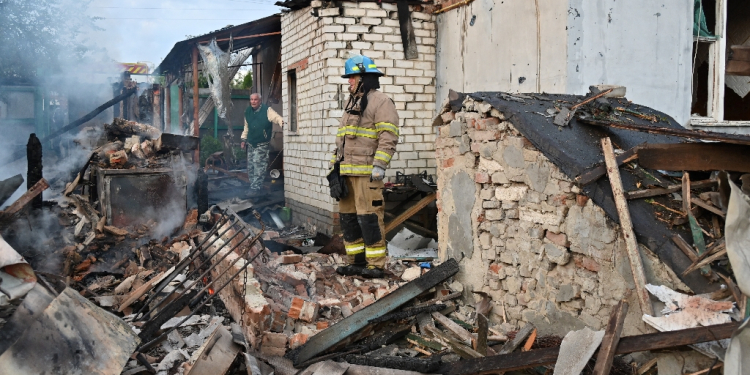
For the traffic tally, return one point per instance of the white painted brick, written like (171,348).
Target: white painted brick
(325,21)
(363,5)
(421,16)
(333,29)
(371,21)
(335,45)
(423,80)
(362,45)
(421,32)
(372,37)
(382,30)
(399,80)
(354,12)
(330,12)
(404,63)
(389,6)
(414,72)
(359,29)
(347,36)
(414,88)
(345,20)
(406,114)
(409,155)
(391,23)
(377,13)
(392,38)
(395,72)
(382,46)
(414,106)
(316,3)
(417,163)
(393,89)
(386,80)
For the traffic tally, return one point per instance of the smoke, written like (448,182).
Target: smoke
(55,69)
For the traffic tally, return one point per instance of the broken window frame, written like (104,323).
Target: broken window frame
(717,61)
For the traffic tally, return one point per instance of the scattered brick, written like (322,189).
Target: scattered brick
(581,199)
(297,340)
(290,259)
(321,325)
(559,239)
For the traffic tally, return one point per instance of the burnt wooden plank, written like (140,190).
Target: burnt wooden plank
(548,356)
(683,133)
(594,173)
(695,157)
(611,339)
(669,189)
(521,335)
(353,323)
(408,38)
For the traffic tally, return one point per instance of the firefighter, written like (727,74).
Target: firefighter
(365,143)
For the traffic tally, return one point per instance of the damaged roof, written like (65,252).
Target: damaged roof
(576,148)
(181,53)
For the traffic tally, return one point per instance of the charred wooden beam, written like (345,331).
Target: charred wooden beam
(594,173)
(353,323)
(631,344)
(34,171)
(408,313)
(394,362)
(21,202)
(408,38)
(683,133)
(695,157)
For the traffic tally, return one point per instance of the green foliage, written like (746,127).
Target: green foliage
(209,145)
(202,82)
(243,83)
(40,37)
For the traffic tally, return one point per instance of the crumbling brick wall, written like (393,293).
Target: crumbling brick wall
(525,234)
(316,49)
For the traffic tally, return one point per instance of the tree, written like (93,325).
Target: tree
(37,37)
(244,82)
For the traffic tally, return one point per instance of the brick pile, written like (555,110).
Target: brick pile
(549,255)
(291,297)
(316,48)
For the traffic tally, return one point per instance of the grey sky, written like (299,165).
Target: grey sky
(146,30)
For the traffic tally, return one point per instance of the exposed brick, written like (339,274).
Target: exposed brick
(321,325)
(448,117)
(290,259)
(273,351)
(296,308)
(485,135)
(274,339)
(559,239)
(482,177)
(581,199)
(486,123)
(297,340)
(587,263)
(447,163)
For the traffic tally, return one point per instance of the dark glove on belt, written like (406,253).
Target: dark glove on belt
(337,184)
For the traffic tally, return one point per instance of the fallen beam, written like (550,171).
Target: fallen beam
(9,186)
(410,212)
(683,133)
(25,199)
(695,157)
(626,224)
(543,357)
(594,173)
(645,193)
(353,323)
(611,339)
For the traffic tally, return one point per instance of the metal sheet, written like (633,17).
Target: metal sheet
(73,336)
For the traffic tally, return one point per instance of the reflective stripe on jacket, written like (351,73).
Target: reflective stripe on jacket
(367,140)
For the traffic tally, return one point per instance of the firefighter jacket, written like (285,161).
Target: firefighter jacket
(367,139)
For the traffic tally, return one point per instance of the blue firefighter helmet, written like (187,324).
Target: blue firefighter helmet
(360,64)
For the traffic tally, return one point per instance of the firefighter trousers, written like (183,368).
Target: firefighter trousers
(361,218)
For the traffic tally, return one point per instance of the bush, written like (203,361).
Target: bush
(209,145)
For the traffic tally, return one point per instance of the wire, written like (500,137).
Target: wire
(177,9)
(178,19)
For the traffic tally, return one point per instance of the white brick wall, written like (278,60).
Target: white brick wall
(326,43)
